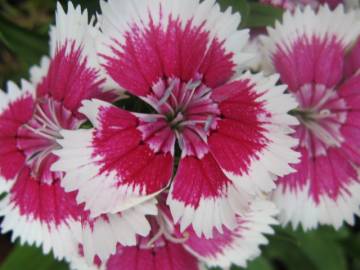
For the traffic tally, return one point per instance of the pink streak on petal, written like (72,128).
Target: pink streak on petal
(119,144)
(217,65)
(152,52)
(349,91)
(296,181)
(169,256)
(49,204)
(213,247)
(328,175)
(352,61)
(198,179)
(239,136)
(70,79)
(18,113)
(310,60)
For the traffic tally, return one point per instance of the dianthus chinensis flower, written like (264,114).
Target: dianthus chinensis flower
(293,4)
(318,55)
(37,209)
(166,247)
(229,129)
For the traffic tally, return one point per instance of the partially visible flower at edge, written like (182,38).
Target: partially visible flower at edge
(318,55)
(168,248)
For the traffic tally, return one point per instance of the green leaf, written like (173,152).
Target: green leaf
(284,249)
(31,258)
(241,6)
(29,46)
(323,248)
(260,263)
(262,15)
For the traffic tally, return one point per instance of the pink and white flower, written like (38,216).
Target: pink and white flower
(184,58)
(292,4)
(317,54)
(37,209)
(168,248)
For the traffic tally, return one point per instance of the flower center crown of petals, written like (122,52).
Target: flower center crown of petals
(321,112)
(184,111)
(37,138)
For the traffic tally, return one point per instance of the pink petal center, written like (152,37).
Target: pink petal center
(37,138)
(186,112)
(322,113)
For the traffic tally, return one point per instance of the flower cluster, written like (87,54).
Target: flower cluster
(211,155)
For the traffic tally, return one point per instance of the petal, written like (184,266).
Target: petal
(350,129)
(111,166)
(16,108)
(239,245)
(325,191)
(200,185)
(4,187)
(144,41)
(73,73)
(251,142)
(309,47)
(352,62)
(169,256)
(41,214)
(100,236)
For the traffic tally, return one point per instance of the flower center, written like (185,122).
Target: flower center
(186,112)
(322,113)
(37,138)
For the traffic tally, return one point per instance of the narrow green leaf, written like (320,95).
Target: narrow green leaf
(262,15)
(31,258)
(29,46)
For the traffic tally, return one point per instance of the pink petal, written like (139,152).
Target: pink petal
(324,191)
(352,61)
(167,257)
(200,185)
(310,60)
(13,115)
(115,163)
(248,143)
(69,78)
(239,245)
(155,41)
(41,214)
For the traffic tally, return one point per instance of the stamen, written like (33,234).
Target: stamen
(44,118)
(192,86)
(43,132)
(168,92)
(166,233)
(176,240)
(209,122)
(156,237)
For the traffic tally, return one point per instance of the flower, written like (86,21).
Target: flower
(316,55)
(292,4)
(37,209)
(167,248)
(230,130)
